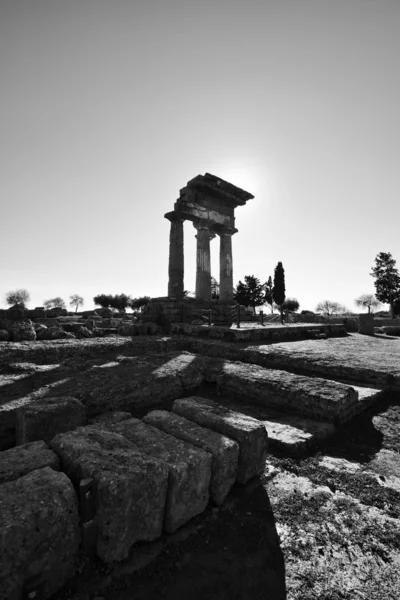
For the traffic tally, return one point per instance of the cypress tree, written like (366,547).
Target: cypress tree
(279,291)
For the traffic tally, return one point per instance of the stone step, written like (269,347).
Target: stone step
(225,452)
(19,461)
(189,470)
(250,434)
(313,397)
(290,434)
(129,488)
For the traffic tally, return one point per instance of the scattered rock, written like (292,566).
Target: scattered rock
(23,330)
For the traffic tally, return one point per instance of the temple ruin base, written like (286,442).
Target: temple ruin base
(170,310)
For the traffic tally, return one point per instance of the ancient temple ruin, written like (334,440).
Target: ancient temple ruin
(209,202)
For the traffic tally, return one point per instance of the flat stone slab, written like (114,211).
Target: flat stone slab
(45,418)
(19,461)
(250,434)
(224,451)
(290,434)
(189,470)
(309,396)
(130,487)
(359,359)
(39,527)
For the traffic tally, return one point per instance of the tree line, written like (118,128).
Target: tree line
(251,292)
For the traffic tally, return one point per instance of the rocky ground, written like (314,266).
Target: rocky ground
(325,527)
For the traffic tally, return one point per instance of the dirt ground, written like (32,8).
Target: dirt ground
(325,527)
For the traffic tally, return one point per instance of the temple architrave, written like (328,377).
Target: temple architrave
(209,202)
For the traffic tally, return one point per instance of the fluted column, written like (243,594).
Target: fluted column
(225,267)
(176,260)
(203,264)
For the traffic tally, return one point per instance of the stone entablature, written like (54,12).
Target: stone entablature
(209,202)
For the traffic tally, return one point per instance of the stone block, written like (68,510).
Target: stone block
(310,396)
(129,487)
(224,451)
(44,418)
(39,525)
(19,461)
(249,433)
(189,470)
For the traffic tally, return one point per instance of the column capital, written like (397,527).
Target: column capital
(174,216)
(225,231)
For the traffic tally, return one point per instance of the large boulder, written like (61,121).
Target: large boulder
(130,488)
(189,470)
(23,331)
(39,525)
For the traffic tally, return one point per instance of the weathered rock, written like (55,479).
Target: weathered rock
(45,418)
(189,470)
(310,396)
(4,335)
(39,327)
(83,332)
(224,451)
(130,487)
(19,461)
(23,330)
(39,532)
(250,434)
(53,333)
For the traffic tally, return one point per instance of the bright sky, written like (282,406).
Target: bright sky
(108,108)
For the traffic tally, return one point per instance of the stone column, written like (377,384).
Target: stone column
(225,268)
(176,261)
(203,266)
